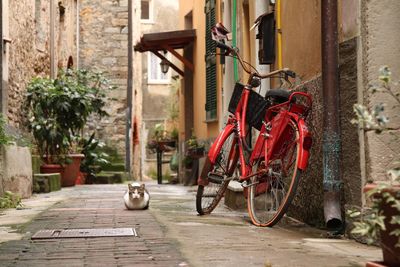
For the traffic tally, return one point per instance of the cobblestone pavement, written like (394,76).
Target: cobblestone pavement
(170,234)
(92,207)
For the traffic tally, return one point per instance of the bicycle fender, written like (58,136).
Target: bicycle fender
(305,144)
(216,146)
(213,153)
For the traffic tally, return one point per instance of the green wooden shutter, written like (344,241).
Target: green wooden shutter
(211,67)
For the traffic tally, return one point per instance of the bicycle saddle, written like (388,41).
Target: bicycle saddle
(279,95)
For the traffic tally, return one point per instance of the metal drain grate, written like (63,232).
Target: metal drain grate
(82,233)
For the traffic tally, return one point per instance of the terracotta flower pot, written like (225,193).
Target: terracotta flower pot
(195,153)
(71,170)
(51,168)
(391,253)
(81,178)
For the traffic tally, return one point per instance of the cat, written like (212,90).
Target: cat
(137,197)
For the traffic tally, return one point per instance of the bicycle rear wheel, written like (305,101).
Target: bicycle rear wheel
(271,193)
(218,173)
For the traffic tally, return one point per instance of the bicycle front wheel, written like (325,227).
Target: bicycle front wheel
(271,193)
(218,175)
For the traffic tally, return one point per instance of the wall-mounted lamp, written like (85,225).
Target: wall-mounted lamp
(164,64)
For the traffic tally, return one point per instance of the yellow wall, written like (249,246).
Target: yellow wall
(202,130)
(301,37)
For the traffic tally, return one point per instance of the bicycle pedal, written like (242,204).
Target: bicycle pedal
(215,178)
(245,185)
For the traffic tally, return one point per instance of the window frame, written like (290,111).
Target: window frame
(150,20)
(157,81)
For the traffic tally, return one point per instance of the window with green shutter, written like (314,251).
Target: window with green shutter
(211,67)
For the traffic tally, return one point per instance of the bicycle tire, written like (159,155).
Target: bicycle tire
(208,196)
(266,206)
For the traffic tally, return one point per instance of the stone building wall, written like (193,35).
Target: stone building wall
(29,52)
(22,56)
(380,47)
(26,23)
(103,47)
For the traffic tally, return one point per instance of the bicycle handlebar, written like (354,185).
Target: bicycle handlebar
(231,50)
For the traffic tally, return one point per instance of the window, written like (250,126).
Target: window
(154,72)
(211,67)
(146,14)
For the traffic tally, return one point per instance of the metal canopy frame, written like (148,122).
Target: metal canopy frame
(168,41)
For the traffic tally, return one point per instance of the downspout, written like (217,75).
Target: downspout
(52,40)
(234,39)
(331,126)
(1,56)
(77,34)
(129,90)
(279,30)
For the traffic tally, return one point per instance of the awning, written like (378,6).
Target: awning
(168,41)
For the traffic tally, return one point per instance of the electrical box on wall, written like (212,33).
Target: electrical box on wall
(266,37)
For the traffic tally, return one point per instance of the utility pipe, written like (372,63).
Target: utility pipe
(234,39)
(77,34)
(279,30)
(52,40)
(129,94)
(331,126)
(1,57)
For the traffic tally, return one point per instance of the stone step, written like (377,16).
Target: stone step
(114,167)
(108,177)
(234,197)
(46,182)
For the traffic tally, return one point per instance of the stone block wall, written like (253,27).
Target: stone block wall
(16,170)
(23,58)
(308,203)
(104,47)
(380,47)
(29,53)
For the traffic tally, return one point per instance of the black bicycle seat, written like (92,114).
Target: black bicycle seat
(281,95)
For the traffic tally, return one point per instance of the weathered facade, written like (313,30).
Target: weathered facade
(156,86)
(103,45)
(38,37)
(367,40)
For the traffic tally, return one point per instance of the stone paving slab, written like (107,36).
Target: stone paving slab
(170,234)
(82,210)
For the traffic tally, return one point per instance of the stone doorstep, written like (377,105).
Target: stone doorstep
(234,197)
(46,182)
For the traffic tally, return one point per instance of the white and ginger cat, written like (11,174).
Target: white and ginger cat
(137,197)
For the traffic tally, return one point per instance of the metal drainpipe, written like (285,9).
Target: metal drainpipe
(1,56)
(331,126)
(52,40)
(129,90)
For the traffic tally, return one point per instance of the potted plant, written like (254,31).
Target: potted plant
(160,139)
(383,219)
(94,158)
(195,149)
(58,110)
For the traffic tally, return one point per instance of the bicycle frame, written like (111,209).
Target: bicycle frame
(278,117)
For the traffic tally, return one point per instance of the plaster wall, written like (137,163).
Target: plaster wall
(381,47)
(16,174)
(202,129)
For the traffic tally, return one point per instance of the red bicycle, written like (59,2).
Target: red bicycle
(270,171)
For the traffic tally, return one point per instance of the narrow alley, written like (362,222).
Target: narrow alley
(170,233)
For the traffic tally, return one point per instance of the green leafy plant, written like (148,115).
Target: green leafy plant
(174,134)
(5,139)
(193,143)
(10,200)
(94,157)
(58,109)
(370,223)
